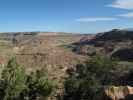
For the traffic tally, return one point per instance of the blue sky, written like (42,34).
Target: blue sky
(85,16)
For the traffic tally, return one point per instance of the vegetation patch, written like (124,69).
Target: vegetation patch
(15,84)
(88,80)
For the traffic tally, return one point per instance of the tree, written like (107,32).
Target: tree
(14,79)
(39,85)
(15,84)
(88,79)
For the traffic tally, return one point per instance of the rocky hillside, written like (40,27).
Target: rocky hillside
(115,35)
(115,43)
(50,52)
(107,74)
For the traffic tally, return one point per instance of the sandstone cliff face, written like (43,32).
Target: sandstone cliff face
(117,93)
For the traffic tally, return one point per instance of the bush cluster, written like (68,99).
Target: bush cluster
(86,82)
(15,84)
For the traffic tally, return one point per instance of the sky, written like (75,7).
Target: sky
(84,16)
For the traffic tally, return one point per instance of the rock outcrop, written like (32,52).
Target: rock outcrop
(115,35)
(124,54)
(118,93)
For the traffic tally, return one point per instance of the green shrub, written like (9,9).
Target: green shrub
(38,85)
(15,84)
(14,79)
(86,82)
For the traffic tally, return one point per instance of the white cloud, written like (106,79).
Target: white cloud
(94,19)
(123,4)
(127,15)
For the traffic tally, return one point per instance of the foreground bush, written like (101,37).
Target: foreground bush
(38,85)
(15,84)
(86,82)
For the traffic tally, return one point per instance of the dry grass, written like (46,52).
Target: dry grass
(47,52)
